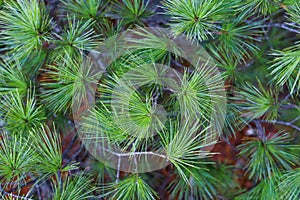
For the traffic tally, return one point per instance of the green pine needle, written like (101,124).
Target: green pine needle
(286,68)
(241,38)
(289,186)
(78,186)
(77,36)
(269,155)
(131,188)
(154,44)
(25,113)
(12,78)
(225,61)
(184,143)
(131,11)
(198,19)
(17,159)
(67,82)
(294,13)
(90,9)
(27,27)
(266,189)
(99,124)
(199,94)
(48,146)
(264,7)
(206,182)
(255,102)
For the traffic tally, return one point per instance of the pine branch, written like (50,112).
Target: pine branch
(283,123)
(285,26)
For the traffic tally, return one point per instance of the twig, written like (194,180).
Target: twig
(191,180)
(155,98)
(83,156)
(294,120)
(38,192)
(77,153)
(178,64)
(136,153)
(290,106)
(287,96)
(135,161)
(70,145)
(15,196)
(283,26)
(60,181)
(74,155)
(260,130)
(118,171)
(267,37)
(282,123)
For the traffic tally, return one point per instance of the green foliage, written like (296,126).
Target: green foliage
(239,37)
(67,81)
(263,6)
(132,188)
(154,47)
(266,189)
(233,121)
(78,186)
(12,78)
(29,18)
(290,185)
(205,182)
(131,11)
(225,61)
(22,111)
(294,13)
(139,106)
(17,159)
(269,155)
(255,102)
(183,148)
(100,123)
(198,92)
(47,144)
(77,37)
(195,19)
(90,9)
(286,68)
